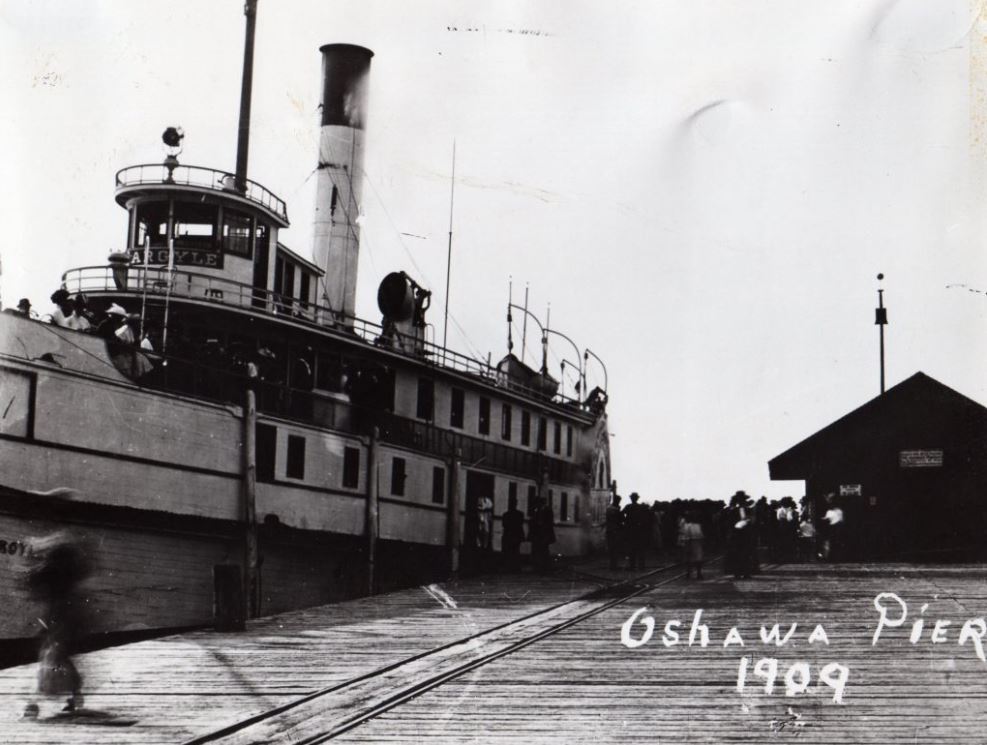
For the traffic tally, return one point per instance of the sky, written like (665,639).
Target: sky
(703,192)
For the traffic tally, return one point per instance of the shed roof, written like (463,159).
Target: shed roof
(920,408)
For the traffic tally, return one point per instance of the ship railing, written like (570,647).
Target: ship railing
(156,283)
(203,178)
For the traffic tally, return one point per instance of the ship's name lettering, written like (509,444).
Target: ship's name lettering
(184,257)
(15,548)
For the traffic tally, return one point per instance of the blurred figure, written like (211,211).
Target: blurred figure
(59,564)
(692,545)
(615,532)
(834,526)
(807,540)
(512,537)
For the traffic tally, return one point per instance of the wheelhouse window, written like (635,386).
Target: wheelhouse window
(525,428)
(398,476)
(238,230)
(542,433)
(564,508)
(457,407)
(195,225)
(152,223)
(557,439)
(505,422)
(426,399)
(568,440)
(483,424)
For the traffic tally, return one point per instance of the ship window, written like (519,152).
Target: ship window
(17,404)
(237,233)
(564,508)
(525,428)
(542,433)
(505,422)
(568,440)
(484,421)
(398,476)
(456,410)
(296,457)
(351,468)
(267,440)
(532,494)
(575,508)
(438,485)
(195,225)
(152,222)
(512,493)
(557,439)
(304,287)
(426,399)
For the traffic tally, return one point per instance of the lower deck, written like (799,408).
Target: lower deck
(572,679)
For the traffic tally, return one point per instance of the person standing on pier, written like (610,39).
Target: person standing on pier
(542,534)
(692,534)
(512,537)
(637,519)
(615,532)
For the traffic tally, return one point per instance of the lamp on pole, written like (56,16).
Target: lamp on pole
(586,357)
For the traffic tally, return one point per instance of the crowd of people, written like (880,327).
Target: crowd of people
(741,530)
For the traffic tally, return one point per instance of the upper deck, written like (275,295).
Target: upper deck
(155,284)
(147,178)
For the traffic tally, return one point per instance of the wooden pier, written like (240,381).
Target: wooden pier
(540,658)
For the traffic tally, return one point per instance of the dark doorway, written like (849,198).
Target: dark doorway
(261,257)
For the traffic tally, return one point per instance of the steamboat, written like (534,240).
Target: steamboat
(227,414)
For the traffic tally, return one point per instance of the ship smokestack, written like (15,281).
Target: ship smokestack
(345,73)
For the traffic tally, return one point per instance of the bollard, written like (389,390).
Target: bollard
(228,604)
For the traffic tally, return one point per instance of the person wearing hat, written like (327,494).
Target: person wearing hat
(741,555)
(114,318)
(637,521)
(23,308)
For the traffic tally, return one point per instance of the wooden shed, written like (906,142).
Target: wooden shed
(909,470)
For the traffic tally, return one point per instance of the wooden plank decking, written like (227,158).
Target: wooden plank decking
(580,685)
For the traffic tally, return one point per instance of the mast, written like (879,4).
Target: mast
(243,134)
(452,196)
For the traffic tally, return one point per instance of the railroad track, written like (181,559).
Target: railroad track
(331,712)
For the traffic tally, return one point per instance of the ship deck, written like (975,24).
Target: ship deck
(539,658)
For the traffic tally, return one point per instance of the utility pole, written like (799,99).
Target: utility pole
(881,320)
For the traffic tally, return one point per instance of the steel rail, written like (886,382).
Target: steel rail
(430,683)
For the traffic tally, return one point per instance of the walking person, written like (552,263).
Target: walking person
(692,541)
(615,532)
(59,565)
(512,523)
